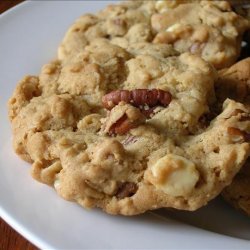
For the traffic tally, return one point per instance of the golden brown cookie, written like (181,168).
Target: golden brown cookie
(120,128)
(234,83)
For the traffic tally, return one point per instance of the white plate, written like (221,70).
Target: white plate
(29,36)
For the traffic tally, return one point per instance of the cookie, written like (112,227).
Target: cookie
(207,28)
(241,7)
(122,128)
(234,82)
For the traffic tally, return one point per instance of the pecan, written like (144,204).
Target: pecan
(137,98)
(234,131)
(238,135)
(122,126)
(243,116)
(237,112)
(127,189)
(121,119)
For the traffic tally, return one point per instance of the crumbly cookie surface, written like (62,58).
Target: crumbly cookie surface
(207,28)
(128,19)
(131,158)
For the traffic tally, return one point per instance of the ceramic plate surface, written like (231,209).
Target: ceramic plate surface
(29,36)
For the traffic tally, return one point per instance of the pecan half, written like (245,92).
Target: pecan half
(137,98)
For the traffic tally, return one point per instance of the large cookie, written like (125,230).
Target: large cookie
(148,148)
(234,82)
(207,28)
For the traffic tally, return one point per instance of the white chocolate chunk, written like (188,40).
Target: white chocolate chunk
(163,5)
(56,184)
(174,175)
(173,27)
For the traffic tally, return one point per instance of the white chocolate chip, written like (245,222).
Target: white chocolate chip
(173,27)
(163,5)
(174,175)
(56,184)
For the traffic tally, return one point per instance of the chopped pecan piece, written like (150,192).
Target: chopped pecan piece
(234,131)
(236,112)
(122,126)
(137,98)
(238,135)
(245,118)
(243,115)
(127,189)
(121,119)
